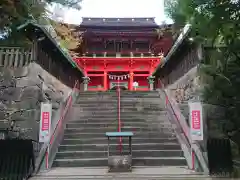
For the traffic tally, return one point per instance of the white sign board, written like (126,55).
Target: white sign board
(196,121)
(45,122)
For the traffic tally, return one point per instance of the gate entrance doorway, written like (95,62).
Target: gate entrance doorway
(122,85)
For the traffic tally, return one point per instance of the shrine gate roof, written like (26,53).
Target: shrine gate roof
(89,22)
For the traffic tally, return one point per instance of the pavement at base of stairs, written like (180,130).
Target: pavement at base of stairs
(148,173)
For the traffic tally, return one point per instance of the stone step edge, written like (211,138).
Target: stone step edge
(105,138)
(98,134)
(63,152)
(103,159)
(133,144)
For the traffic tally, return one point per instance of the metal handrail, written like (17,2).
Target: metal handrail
(119,116)
(195,147)
(44,152)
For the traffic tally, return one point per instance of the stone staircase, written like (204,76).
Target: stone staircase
(85,144)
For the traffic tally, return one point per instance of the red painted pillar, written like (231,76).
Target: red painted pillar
(131,81)
(105,81)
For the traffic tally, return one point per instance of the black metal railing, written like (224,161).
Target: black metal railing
(220,157)
(16,159)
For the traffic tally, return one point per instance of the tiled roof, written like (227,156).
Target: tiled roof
(118,22)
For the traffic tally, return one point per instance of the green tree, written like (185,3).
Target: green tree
(215,24)
(14,13)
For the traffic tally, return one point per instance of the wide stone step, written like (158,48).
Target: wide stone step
(114,129)
(147,161)
(121,96)
(123,92)
(127,101)
(77,140)
(131,115)
(123,114)
(113,120)
(122,110)
(136,134)
(138,173)
(104,154)
(99,124)
(123,105)
(92,102)
(105,107)
(115,147)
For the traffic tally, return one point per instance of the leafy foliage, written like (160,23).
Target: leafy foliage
(69,3)
(69,36)
(215,24)
(16,12)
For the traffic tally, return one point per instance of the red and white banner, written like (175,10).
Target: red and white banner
(196,121)
(45,122)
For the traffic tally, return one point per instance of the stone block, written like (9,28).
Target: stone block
(7,82)
(2,106)
(28,81)
(30,129)
(4,124)
(20,72)
(10,94)
(26,115)
(30,103)
(6,72)
(21,92)
(3,115)
(31,92)
(55,105)
(54,96)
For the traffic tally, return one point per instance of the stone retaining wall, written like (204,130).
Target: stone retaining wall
(21,92)
(188,88)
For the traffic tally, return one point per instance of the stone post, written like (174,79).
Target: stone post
(85,83)
(151,82)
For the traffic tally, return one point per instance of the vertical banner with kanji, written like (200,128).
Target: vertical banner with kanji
(196,121)
(45,122)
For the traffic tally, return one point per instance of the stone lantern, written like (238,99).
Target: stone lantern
(85,83)
(151,82)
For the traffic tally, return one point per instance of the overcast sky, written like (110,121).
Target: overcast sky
(116,8)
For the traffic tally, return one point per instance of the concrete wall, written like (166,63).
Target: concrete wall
(21,92)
